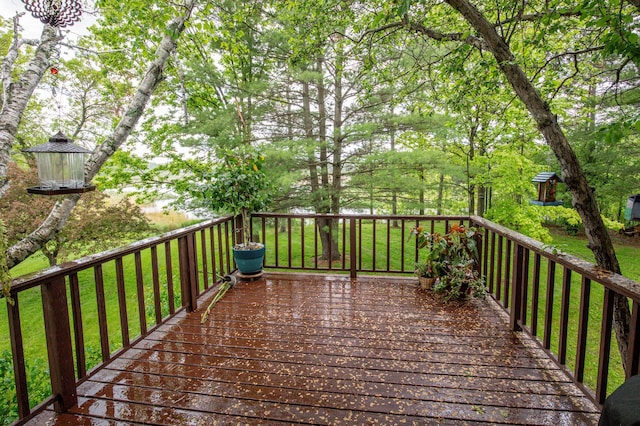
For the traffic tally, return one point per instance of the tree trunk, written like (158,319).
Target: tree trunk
(328,230)
(583,198)
(17,93)
(61,210)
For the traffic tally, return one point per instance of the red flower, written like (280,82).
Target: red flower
(54,71)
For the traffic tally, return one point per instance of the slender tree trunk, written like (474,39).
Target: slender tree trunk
(421,195)
(440,195)
(325,206)
(308,131)
(394,192)
(330,249)
(473,132)
(18,92)
(62,209)
(583,198)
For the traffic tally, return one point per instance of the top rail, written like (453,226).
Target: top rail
(74,266)
(619,283)
(562,301)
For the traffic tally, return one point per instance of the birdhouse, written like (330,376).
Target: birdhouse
(60,167)
(547,182)
(632,211)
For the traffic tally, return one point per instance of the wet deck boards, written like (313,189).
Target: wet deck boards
(314,349)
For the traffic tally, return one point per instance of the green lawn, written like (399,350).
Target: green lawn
(390,242)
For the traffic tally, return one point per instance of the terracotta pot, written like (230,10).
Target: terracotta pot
(426,283)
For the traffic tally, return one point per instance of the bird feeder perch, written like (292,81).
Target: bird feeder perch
(60,167)
(547,182)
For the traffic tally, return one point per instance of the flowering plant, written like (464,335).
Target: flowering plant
(452,258)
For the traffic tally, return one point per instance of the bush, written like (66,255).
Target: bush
(38,383)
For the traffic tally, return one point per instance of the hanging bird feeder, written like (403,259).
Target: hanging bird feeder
(632,210)
(57,13)
(547,182)
(60,167)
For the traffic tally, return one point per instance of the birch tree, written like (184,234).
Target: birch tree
(17,90)
(152,78)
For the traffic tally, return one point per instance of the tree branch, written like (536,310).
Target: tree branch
(60,212)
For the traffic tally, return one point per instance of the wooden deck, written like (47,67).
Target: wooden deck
(317,349)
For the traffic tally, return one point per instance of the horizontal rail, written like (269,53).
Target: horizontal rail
(562,301)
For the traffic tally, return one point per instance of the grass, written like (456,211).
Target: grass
(626,250)
(394,244)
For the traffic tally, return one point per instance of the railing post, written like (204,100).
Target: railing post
(517,291)
(478,240)
(59,348)
(605,346)
(188,272)
(352,248)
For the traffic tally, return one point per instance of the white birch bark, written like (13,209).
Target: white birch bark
(62,209)
(18,92)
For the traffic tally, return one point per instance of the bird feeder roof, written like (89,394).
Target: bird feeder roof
(59,143)
(546,176)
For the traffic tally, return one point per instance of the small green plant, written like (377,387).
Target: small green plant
(237,185)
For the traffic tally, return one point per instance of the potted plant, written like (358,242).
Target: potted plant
(426,274)
(238,185)
(451,258)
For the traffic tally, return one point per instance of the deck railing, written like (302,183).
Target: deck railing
(565,303)
(130,291)
(118,297)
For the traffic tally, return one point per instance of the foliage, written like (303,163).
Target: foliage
(461,279)
(452,259)
(523,218)
(37,380)
(95,225)
(236,185)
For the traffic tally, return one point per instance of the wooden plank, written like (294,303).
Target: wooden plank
(535,294)
(583,327)
(548,311)
(371,350)
(564,316)
(59,347)
(17,350)
(78,327)
(155,279)
(142,312)
(169,267)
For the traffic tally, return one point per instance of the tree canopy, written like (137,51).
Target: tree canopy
(405,106)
